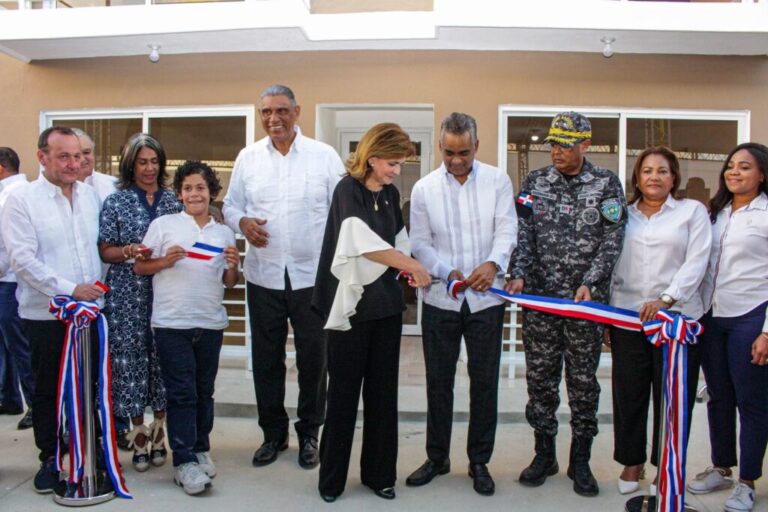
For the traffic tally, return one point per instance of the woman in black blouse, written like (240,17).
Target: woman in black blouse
(364,248)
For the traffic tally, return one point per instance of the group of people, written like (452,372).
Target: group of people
(327,248)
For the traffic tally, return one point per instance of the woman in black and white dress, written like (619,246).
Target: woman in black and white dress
(357,292)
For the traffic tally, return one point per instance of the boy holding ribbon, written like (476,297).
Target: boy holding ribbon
(188,317)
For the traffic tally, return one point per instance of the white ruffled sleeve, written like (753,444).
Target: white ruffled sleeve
(353,270)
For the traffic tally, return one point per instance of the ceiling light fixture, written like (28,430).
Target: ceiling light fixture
(154,54)
(535,138)
(607,46)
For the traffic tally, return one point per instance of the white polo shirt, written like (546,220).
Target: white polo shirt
(189,294)
(737,277)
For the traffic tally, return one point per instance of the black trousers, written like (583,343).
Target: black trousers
(636,376)
(46,338)
(270,311)
(367,356)
(442,331)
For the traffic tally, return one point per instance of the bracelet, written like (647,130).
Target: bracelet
(127,255)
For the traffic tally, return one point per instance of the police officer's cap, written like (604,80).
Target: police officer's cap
(569,128)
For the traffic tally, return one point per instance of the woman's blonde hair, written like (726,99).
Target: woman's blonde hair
(384,140)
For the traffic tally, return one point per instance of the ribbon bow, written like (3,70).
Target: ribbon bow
(668,326)
(673,333)
(78,316)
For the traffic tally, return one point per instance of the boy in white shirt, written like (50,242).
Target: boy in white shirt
(192,256)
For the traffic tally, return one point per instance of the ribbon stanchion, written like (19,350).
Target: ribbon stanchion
(86,484)
(673,333)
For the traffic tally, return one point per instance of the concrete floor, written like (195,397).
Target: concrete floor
(285,486)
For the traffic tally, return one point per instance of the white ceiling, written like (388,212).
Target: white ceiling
(490,25)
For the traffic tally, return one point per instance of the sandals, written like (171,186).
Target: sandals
(140,453)
(154,438)
(159,453)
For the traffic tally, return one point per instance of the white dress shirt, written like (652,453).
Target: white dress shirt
(180,302)
(8,186)
(664,254)
(293,193)
(52,244)
(737,277)
(455,226)
(103,183)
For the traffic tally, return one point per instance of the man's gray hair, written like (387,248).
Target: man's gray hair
(279,90)
(80,134)
(459,124)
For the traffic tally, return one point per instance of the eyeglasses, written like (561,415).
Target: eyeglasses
(279,112)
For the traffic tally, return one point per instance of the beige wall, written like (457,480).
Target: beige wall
(472,82)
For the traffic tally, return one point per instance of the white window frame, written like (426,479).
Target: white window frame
(47,118)
(742,118)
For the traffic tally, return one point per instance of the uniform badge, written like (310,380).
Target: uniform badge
(525,200)
(611,209)
(542,184)
(566,209)
(590,216)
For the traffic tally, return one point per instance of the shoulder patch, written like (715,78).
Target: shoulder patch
(525,199)
(611,209)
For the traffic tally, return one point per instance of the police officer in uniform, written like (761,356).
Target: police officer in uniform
(571,229)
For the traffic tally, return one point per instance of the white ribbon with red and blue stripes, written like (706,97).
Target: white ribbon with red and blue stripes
(78,316)
(670,331)
(673,333)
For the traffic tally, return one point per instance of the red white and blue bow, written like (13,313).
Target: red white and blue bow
(673,333)
(69,406)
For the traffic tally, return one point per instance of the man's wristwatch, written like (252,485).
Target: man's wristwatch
(667,299)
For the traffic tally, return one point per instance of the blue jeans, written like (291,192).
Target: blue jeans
(735,384)
(189,360)
(15,354)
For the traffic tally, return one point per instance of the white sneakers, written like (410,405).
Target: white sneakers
(206,464)
(192,478)
(712,479)
(742,499)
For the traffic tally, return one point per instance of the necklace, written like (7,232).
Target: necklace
(376,200)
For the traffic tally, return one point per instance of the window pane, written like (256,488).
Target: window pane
(213,140)
(526,150)
(700,145)
(109,135)
(9,6)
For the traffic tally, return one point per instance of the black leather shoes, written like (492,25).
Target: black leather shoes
(388,493)
(10,410)
(482,481)
(328,498)
(308,456)
(427,472)
(267,452)
(26,421)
